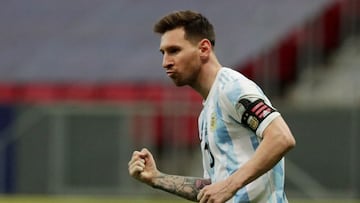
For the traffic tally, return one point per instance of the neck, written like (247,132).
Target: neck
(206,78)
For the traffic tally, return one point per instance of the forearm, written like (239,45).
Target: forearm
(262,161)
(186,187)
(277,141)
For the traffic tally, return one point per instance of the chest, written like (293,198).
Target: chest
(214,126)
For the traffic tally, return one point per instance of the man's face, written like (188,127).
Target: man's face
(180,57)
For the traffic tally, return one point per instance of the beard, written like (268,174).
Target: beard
(178,82)
(185,79)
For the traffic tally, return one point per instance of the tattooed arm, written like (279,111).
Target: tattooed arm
(142,167)
(186,187)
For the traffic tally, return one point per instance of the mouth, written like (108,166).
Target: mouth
(170,73)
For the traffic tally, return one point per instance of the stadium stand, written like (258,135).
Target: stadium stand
(54,42)
(49,44)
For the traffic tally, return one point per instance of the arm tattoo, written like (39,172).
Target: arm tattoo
(186,187)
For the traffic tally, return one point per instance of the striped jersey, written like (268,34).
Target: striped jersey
(231,124)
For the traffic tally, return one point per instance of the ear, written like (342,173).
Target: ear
(205,48)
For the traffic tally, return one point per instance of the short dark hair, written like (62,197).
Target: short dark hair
(196,26)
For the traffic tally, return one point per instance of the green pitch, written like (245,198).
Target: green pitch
(80,199)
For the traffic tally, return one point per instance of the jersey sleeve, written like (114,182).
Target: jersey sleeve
(255,113)
(247,105)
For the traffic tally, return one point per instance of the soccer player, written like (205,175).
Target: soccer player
(243,137)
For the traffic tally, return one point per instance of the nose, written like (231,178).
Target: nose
(167,62)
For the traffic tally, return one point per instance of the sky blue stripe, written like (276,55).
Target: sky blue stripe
(254,141)
(225,142)
(234,94)
(241,196)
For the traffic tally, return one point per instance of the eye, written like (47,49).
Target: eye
(173,50)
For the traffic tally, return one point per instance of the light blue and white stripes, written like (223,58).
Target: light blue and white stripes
(226,144)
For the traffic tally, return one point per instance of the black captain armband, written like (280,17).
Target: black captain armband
(255,113)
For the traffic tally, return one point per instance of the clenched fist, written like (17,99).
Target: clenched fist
(142,166)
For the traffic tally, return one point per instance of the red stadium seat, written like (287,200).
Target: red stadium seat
(120,92)
(8,93)
(38,93)
(331,20)
(81,92)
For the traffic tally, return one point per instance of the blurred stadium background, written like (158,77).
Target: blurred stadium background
(81,87)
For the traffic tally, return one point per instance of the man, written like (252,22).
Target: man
(243,138)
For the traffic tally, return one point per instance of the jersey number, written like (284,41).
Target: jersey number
(210,155)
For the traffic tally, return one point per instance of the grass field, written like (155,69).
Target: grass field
(78,199)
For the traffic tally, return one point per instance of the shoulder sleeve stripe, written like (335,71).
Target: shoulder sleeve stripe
(257,106)
(262,108)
